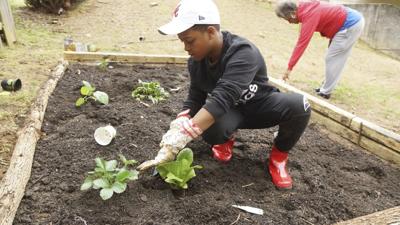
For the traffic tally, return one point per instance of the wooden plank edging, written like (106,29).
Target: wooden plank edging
(124,57)
(386,217)
(12,186)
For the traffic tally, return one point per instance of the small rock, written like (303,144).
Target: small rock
(35,188)
(219,198)
(45,180)
(28,194)
(261,35)
(143,198)
(153,4)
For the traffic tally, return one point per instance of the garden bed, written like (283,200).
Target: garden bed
(333,181)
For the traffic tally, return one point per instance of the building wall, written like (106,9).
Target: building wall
(382,27)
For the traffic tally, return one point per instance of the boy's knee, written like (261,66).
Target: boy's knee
(218,133)
(299,105)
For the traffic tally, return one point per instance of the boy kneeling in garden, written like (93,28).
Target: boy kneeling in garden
(229,90)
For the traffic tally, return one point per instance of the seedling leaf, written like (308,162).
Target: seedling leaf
(86,84)
(103,64)
(101,97)
(122,175)
(102,183)
(106,193)
(125,174)
(87,184)
(85,90)
(185,154)
(80,102)
(100,163)
(197,167)
(171,178)
(130,162)
(111,165)
(119,187)
(177,173)
(133,175)
(122,158)
(125,161)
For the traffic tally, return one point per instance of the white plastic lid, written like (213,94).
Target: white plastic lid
(104,135)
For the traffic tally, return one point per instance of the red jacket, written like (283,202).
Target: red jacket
(317,16)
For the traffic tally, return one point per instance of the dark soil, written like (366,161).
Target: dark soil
(332,181)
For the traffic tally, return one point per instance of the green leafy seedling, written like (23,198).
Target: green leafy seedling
(89,92)
(179,172)
(109,178)
(103,64)
(151,91)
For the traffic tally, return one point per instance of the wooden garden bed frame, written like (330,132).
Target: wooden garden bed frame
(375,139)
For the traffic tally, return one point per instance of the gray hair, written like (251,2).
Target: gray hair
(285,7)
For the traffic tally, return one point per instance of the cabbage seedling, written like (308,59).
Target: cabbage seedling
(179,172)
(89,92)
(109,178)
(151,91)
(103,64)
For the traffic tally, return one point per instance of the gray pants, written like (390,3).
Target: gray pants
(338,53)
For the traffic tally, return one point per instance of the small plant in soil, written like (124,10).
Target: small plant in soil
(109,177)
(179,172)
(151,91)
(103,64)
(89,92)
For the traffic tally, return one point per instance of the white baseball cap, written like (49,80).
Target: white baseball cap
(189,13)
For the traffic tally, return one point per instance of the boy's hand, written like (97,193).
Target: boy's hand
(164,155)
(285,76)
(182,131)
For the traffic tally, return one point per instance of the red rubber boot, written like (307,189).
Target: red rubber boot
(223,152)
(277,169)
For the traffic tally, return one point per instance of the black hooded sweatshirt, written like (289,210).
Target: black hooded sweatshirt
(239,76)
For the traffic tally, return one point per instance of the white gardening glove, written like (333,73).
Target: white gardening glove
(182,116)
(182,131)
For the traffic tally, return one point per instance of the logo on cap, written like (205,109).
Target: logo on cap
(201,18)
(176,11)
